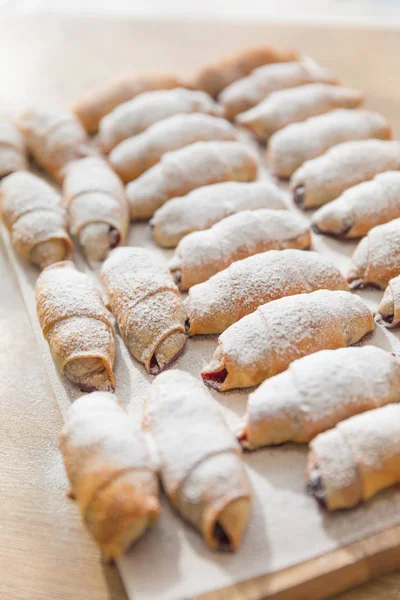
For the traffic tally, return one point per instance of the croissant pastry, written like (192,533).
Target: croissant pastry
(213,78)
(323,179)
(110,471)
(136,115)
(12,148)
(97,206)
(293,145)
(225,298)
(297,104)
(251,90)
(318,391)
(389,307)
(208,485)
(54,139)
(204,253)
(184,170)
(354,461)
(93,105)
(265,342)
(137,154)
(376,260)
(146,305)
(35,216)
(361,207)
(207,205)
(77,326)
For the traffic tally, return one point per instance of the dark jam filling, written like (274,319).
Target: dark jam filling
(114,237)
(187,325)
(298,195)
(215,377)
(224,543)
(388,319)
(154,366)
(315,487)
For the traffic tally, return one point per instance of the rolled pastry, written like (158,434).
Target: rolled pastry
(323,179)
(184,170)
(361,207)
(208,484)
(225,298)
(97,206)
(77,326)
(213,78)
(389,307)
(354,461)
(204,253)
(94,104)
(265,342)
(134,156)
(293,145)
(207,205)
(318,391)
(251,90)
(54,139)
(111,473)
(376,260)
(12,148)
(297,104)
(146,305)
(135,116)
(36,218)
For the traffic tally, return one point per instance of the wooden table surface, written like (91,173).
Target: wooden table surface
(45,554)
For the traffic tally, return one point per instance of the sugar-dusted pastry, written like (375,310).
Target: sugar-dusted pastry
(323,179)
(97,206)
(184,170)
(136,115)
(35,216)
(213,78)
(361,207)
(204,253)
(110,469)
(77,326)
(12,148)
(146,305)
(251,90)
(284,107)
(293,145)
(54,139)
(137,154)
(201,469)
(376,260)
(209,204)
(389,307)
(354,461)
(94,104)
(265,342)
(214,305)
(318,391)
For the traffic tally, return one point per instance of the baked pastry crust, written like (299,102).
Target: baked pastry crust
(389,307)
(12,148)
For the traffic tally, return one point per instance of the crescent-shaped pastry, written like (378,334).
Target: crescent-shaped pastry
(146,305)
(284,107)
(209,204)
(112,476)
(207,483)
(376,260)
(251,90)
(213,78)
(203,253)
(77,326)
(184,170)
(54,139)
(225,298)
(293,145)
(361,207)
(389,307)
(136,115)
(35,216)
(323,179)
(354,461)
(265,342)
(97,206)
(12,148)
(94,104)
(318,391)
(137,154)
